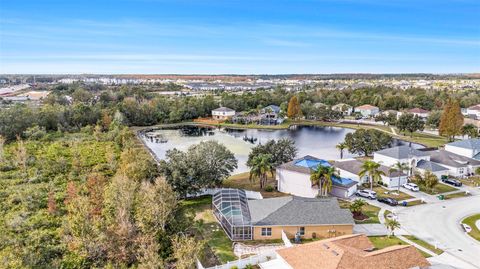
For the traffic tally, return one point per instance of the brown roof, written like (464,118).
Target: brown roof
(365,107)
(351,252)
(475,107)
(418,110)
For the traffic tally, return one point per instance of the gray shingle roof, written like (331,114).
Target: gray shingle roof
(355,166)
(444,157)
(473,143)
(223,109)
(298,211)
(402,152)
(429,166)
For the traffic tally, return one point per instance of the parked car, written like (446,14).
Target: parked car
(388,201)
(452,181)
(411,186)
(367,194)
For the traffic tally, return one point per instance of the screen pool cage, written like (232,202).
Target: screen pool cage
(231,210)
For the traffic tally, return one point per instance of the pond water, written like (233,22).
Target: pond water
(317,141)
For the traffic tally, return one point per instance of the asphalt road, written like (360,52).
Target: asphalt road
(439,224)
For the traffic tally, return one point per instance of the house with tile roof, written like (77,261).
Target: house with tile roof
(422,113)
(223,113)
(346,252)
(294,178)
(469,148)
(474,112)
(244,219)
(350,168)
(367,110)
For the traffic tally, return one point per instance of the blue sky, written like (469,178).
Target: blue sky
(241,37)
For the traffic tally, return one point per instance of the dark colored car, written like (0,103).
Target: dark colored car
(388,201)
(452,181)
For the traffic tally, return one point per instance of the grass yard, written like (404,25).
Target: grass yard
(218,242)
(438,189)
(471,181)
(381,242)
(414,203)
(369,210)
(424,244)
(242,181)
(471,221)
(456,195)
(382,192)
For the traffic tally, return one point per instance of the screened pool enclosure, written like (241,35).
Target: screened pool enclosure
(231,209)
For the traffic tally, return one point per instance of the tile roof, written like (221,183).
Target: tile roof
(430,166)
(402,152)
(295,210)
(223,109)
(447,158)
(475,107)
(366,107)
(418,110)
(473,143)
(350,252)
(355,166)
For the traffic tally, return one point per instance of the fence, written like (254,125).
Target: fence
(242,263)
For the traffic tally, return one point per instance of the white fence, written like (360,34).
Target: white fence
(242,263)
(211,191)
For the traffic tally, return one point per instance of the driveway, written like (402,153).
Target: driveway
(439,224)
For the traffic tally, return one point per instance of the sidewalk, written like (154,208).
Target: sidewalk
(429,252)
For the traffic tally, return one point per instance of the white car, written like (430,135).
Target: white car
(367,194)
(411,186)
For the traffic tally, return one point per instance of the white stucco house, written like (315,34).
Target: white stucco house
(421,113)
(402,154)
(367,110)
(343,108)
(458,165)
(350,168)
(294,178)
(438,170)
(469,148)
(223,113)
(474,111)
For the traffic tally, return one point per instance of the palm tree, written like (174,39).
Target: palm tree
(430,180)
(260,167)
(322,177)
(370,168)
(357,207)
(341,147)
(399,167)
(392,224)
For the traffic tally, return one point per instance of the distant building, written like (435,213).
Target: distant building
(401,154)
(469,148)
(474,112)
(422,113)
(223,113)
(266,219)
(343,108)
(458,165)
(294,178)
(367,110)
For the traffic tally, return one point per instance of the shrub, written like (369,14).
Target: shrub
(269,188)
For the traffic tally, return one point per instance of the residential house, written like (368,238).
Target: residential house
(474,112)
(223,113)
(263,219)
(345,109)
(401,154)
(458,165)
(367,110)
(294,178)
(438,170)
(351,168)
(469,148)
(421,113)
(269,115)
(353,251)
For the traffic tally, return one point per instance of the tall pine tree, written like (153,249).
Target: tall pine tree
(451,121)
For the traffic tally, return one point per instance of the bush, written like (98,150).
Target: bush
(234,267)
(248,266)
(269,188)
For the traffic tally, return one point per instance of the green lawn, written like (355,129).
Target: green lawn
(381,193)
(424,244)
(218,242)
(470,221)
(414,202)
(471,181)
(381,242)
(455,195)
(369,210)
(439,188)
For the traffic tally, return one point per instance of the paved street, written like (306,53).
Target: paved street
(439,224)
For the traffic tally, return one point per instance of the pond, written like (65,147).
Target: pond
(317,141)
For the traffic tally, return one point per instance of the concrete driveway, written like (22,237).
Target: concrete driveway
(439,224)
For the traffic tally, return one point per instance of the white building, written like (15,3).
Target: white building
(402,154)
(458,165)
(351,168)
(343,108)
(474,111)
(223,113)
(421,113)
(294,178)
(367,110)
(469,148)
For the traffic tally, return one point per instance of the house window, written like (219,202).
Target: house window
(266,231)
(460,170)
(301,231)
